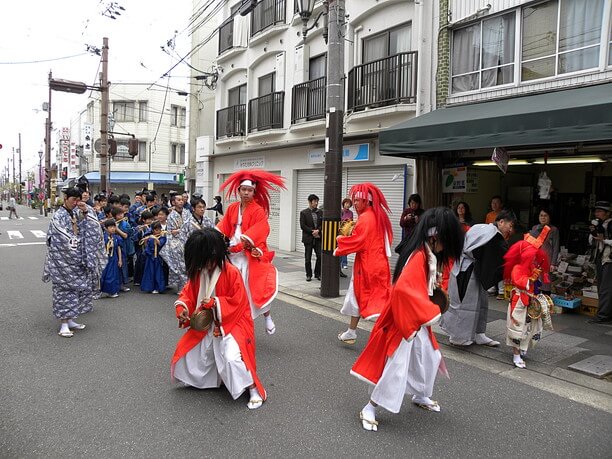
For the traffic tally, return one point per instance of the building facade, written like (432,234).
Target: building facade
(270,100)
(153,114)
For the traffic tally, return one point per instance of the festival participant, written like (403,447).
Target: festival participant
(140,232)
(72,269)
(402,355)
(479,268)
(370,240)
(153,278)
(224,351)
(525,262)
(110,283)
(246,226)
(172,252)
(124,230)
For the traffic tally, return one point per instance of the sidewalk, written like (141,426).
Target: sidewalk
(572,342)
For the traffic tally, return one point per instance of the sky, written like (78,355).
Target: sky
(43,30)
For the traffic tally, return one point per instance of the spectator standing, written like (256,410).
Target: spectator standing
(464,214)
(12,207)
(410,215)
(310,223)
(550,245)
(601,238)
(218,208)
(496,207)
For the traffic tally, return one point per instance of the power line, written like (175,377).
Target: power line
(43,60)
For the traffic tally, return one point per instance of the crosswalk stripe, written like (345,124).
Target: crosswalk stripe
(14,234)
(38,233)
(18,244)
(33,218)
(4,218)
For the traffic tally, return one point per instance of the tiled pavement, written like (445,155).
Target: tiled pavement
(572,341)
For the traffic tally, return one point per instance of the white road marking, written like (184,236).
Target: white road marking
(4,218)
(14,235)
(38,233)
(17,244)
(33,218)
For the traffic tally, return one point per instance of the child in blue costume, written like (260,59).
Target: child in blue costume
(153,279)
(140,232)
(110,282)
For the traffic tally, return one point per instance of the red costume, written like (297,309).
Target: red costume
(370,240)
(408,309)
(231,307)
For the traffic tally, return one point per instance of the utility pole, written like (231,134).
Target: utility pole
(104,185)
(48,151)
(330,265)
(20,190)
(14,171)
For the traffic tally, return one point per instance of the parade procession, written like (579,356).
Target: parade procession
(306,228)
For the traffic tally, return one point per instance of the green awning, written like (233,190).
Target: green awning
(560,117)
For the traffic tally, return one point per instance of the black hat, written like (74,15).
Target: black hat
(197,195)
(172,193)
(603,205)
(138,193)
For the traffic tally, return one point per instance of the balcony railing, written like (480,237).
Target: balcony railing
(231,121)
(266,14)
(308,100)
(266,112)
(388,81)
(226,35)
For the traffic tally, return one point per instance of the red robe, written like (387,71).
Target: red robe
(234,315)
(408,309)
(263,278)
(371,275)
(521,280)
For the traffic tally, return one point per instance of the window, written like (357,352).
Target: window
(177,116)
(560,36)
(237,96)
(177,153)
(483,54)
(388,43)
(123,111)
(266,84)
(142,151)
(317,67)
(143,111)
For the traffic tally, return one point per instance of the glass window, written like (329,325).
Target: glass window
(266,85)
(550,48)
(177,116)
(123,111)
(466,59)
(177,153)
(237,96)
(143,111)
(317,67)
(142,151)
(388,43)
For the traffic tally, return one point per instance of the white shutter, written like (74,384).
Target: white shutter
(280,72)
(393,190)
(300,64)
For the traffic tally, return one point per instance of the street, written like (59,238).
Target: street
(107,392)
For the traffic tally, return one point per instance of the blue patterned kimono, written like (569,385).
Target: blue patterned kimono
(111,276)
(173,251)
(153,277)
(73,263)
(127,246)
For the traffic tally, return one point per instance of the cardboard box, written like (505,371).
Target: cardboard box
(587,301)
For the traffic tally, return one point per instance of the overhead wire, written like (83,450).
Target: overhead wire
(38,61)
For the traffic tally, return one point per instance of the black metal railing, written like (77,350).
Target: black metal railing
(266,112)
(388,81)
(226,35)
(231,121)
(266,14)
(308,100)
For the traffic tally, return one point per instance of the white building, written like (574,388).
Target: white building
(154,115)
(271,94)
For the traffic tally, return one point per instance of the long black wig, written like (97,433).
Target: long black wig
(203,247)
(447,230)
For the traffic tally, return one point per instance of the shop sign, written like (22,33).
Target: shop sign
(454,179)
(73,160)
(501,158)
(350,153)
(87,139)
(258,162)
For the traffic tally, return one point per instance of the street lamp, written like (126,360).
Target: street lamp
(332,193)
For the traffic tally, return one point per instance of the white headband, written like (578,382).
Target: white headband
(248,183)
(432,231)
(361,195)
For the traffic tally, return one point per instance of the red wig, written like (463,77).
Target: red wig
(262,181)
(528,255)
(372,193)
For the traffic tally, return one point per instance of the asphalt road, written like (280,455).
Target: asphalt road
(106,392)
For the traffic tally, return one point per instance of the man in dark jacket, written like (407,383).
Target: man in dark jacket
(311,220)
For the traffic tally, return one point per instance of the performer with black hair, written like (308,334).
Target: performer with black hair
(246,226)
(479,268)
(370,240)
(221,350)
(402,355)
(153,277)
(72,263)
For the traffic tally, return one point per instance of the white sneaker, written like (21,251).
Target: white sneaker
(154,291)
(114,295)
(484,340)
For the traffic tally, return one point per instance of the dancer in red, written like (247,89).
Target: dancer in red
(371,241)
(402,355)
(246,226)
(224,351)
